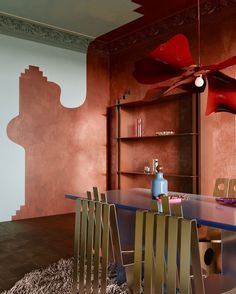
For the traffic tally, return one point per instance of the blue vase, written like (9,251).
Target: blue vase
(159,185)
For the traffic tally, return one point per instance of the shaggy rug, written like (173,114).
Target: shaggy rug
(57,279)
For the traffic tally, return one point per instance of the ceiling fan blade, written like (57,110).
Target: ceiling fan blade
(221,93)
(153,94)
(150,71)
(175,52)
(173,85)
(228,62)
(187,84)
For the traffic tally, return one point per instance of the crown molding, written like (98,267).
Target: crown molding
(37,32)
(160,28)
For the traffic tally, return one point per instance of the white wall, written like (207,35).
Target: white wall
(64,67)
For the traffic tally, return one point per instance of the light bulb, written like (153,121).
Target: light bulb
(199,82)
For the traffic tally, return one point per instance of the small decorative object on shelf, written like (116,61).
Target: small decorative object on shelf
(165,133)
(154,165)
(147,169)
(139,127)
(159,184)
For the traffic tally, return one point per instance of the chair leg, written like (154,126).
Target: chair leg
(76,247)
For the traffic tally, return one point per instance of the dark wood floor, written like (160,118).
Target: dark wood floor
(31,244)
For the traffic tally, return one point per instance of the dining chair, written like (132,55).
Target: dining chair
(159,235)
(162,205)
(232,188)
(213,235)
(167,256)
(91,245)
(210,246)
(221,187)
(116,254)
(224,187)
(96,195)
(209,251)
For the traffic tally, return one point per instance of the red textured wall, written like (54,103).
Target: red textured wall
(65,148)
(218,139)
(218,130)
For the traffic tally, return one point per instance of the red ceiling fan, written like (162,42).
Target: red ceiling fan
(170,66)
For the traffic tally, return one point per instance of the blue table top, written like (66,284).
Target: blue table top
(204,209)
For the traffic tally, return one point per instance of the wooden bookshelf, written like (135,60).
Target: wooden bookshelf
(176,146)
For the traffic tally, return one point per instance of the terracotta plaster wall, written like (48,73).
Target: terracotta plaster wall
(217,140)
(65,148)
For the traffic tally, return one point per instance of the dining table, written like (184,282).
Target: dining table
(207,210)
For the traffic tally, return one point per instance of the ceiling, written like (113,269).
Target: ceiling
(109,19)
(86,17)
(152,11)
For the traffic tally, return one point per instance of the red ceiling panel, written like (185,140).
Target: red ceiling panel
(153,11)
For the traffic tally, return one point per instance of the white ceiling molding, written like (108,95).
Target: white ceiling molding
(33,31)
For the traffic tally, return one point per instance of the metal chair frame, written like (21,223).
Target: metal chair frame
(159,235)
(232,190)
(91,246)
(114,241)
